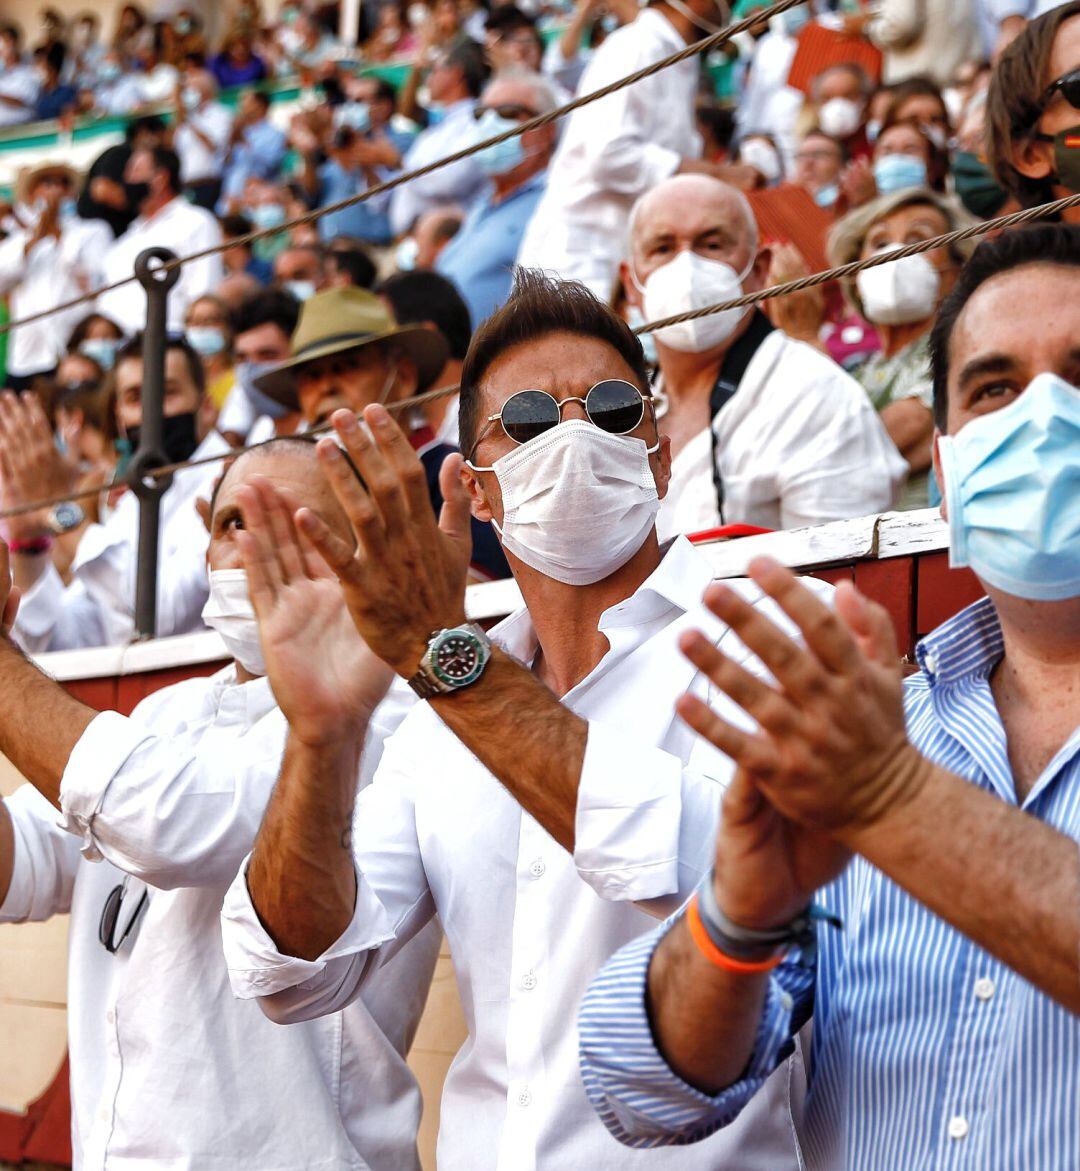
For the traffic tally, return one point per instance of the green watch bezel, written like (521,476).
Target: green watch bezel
(482,654)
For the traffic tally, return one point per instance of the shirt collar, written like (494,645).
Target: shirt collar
(678,581)
(246,703)
(968,646)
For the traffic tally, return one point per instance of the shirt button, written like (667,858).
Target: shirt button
(528,981)
(524,1098)
(958,1127)
(984,988)
(537,868)
(930,662)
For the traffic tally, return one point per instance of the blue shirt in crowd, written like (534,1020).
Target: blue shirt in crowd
(927,1051)
(480,258)
(258,155)
(52,103)
(367,221)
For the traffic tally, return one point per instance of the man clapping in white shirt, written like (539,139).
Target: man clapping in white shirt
(167,1068)
(96,607)
(764,430)
(542,801)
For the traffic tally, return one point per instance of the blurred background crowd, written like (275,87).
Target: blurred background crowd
(828,133)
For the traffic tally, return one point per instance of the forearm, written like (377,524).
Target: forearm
(539,750)
(301,878)
(41,723)
(704,1019)
(1004,879)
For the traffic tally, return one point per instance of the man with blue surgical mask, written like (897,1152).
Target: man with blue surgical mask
(135,826)
(765,430)
(537,799)
(480,258)
(936,821)
(262,327)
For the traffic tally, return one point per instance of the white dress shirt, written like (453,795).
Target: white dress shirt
(181,227)
(167,1068)
(798,444)
(98,607)
(457,184)
(197,162)
(56,270)
(529,924)
(611,152)
(20,82)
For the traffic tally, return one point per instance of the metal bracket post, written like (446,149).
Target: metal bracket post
(151,453)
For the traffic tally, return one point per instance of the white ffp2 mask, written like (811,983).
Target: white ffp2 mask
(229,611)
(578,503)
(691,282)
(900,292)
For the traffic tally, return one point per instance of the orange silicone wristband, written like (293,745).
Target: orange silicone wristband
(715,956)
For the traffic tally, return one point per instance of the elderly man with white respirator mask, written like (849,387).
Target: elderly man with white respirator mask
(764,430)
(135,825)
(541,800)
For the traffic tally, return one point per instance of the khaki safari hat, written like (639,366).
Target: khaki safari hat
(346,319)
(29,177)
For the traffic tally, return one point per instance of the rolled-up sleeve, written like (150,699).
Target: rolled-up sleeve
(44,863)
(633,1090)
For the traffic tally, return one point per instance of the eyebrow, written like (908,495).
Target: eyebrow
(988,364)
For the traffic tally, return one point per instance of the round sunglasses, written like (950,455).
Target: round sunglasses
(615,406)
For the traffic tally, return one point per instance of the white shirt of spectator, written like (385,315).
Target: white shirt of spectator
(529,924)
(611,152)
(798,444)
(98,607)
(458,183)
(159,85)
(197,162)
(167,1068)
(55,271)
(181,227)
(20,82)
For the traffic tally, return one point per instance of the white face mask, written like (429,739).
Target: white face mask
(229,611)
(578,503)
(840,117)
(899,293)
(691,282)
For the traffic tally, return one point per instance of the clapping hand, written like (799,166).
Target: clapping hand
(9,594)
(31,467)
(830,756)
(405,577)
(325,679)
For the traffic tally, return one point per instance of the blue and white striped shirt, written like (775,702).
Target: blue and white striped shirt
(927,1052)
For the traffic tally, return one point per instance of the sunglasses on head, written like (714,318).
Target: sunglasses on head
(508,111)
(615,406)
(1068,85)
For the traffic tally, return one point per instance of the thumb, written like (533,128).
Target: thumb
(455,517)
(742,799)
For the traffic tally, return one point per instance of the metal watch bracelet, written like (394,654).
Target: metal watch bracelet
(746,944)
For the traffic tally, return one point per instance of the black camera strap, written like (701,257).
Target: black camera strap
(731,373)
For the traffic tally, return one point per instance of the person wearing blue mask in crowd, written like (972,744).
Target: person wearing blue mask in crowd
(934,823)
(51,257)
(262,328)
(299,270)
(480,258)
(256,149)
(98,338)
(55,96)
(819,163)
(206,330)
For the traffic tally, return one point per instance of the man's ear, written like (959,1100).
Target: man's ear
(478,501)
(662,467)
(633,293)
(205,417)
(1034,160)
(406,380)
(758,277)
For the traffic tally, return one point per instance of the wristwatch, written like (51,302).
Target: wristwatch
(454,658)
(65,517)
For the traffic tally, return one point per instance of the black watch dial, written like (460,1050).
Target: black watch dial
(457,658)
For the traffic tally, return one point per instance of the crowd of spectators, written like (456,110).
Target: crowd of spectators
(578,457)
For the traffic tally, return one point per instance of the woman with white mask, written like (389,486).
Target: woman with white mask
(901,300)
